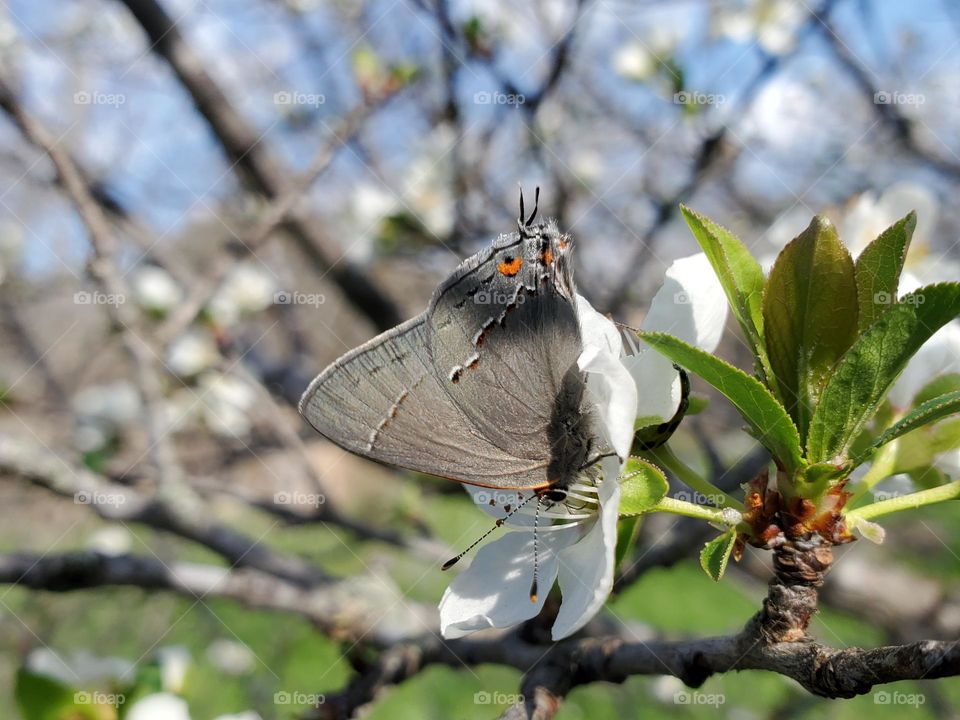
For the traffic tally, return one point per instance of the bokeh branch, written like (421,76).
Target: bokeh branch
(248,151)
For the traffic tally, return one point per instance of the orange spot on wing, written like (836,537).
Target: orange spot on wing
(547,257)
(510,266)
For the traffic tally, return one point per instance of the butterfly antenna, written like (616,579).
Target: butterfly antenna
(454,560)
(536,519)
(536,206)
(520,225)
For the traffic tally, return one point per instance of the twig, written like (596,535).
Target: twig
(247,151)
(175,512)
(348,609)
(270,219)
(104,271)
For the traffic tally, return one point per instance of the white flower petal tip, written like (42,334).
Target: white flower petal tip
(691,305)
(870,530)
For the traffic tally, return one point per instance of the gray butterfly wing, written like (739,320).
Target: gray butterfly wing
(503,335)
(416,397)
(383,401)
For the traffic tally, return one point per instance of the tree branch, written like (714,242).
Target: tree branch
(246,150)
(172,512)
(362,607)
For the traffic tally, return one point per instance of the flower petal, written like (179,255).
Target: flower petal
(613,392)
(657,385)
(586,567)
(692,306)
(609,384)
(595,329)
(495,590)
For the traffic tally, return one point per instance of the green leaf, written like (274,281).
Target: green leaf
(809,316)
(42,698)
(940,385)
(866,372)
(739,274)
(716,554)
(878,270)
(766,417)
(924,414)
(642,486)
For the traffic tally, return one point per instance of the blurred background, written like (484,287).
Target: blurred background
(253,187)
